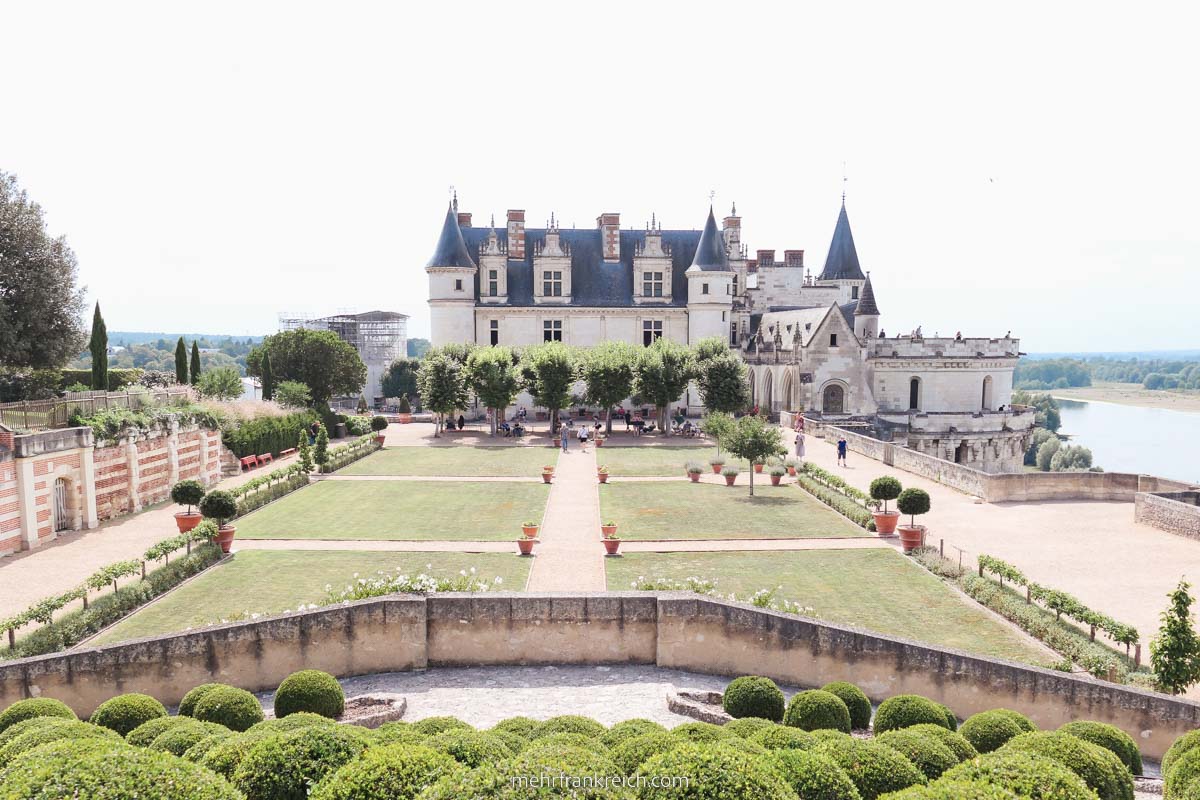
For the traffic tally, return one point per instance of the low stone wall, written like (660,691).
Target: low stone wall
(671,630)
(1174,512)
(140,469)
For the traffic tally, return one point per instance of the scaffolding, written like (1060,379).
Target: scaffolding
(380,337)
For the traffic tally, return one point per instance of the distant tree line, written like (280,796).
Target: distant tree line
(1064,373)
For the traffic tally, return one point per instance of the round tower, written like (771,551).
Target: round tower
(866,313)
(452,278)
(710,286)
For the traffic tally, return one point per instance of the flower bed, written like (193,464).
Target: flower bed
(837,494)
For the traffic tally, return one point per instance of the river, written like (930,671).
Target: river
(1153,441)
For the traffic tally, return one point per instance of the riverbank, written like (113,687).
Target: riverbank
(1132,394)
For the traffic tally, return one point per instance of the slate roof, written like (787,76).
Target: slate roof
(451,250)
(842,261)
(710,252)
(866,300)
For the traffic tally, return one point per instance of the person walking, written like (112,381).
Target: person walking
(565,434)
(582,434)
(841,451)
(799,444)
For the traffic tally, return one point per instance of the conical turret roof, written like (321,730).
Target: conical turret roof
(842,261)
(451,249)
(710,252)
(866,300)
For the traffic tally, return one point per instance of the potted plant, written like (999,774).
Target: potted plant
(883,489)
(405,410)
(187,493)
(599,441)
(612,543)
(716,464)
(608,529)
(602,474)
(912,502)
(758,466)
(730,474)
(379,425)
(219,505)
(777,474)
(548,468)
(693,471)
(547,474)
(530,529)
(791,465)
(525,545)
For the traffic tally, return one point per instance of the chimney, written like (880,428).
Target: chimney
(610,235)
(793,258)
(766,258)
(731,226)
(464,219)
(516,234)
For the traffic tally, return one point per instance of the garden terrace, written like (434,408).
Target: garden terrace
(656,461)
(498,461)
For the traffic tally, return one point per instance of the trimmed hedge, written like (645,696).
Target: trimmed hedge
(905,710)
(702,732)
(283,766)
(954,790)
(404,733)
(632,753)
(395,772)
(188,704)
(1023,722)
(1183,744)
(310,690)
(956,742)
(784,737)
(816,709)
(178,739)
(926,752)
(225,757)
(125,712)
(521,726)
(471,748)
(874,768)
(33,723)
(628,729)
(813,776)
(742,746)
(563,765)
(570,723)
(746,727)
(559,741)
(1100,769)
(432,726)
(67,729)
(292,722)
(1024,774)
(266,434)
(234,708)
(753,696)
(951,720)
(1111,738)
(34,707)
(713,773)
(856,701)
(148,731)
(989,730)
(1183,776)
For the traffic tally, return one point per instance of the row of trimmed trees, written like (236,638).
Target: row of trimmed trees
(610,372)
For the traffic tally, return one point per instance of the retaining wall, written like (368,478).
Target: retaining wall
(1175,512)
(671,630)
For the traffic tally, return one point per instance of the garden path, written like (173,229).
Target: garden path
(570,555)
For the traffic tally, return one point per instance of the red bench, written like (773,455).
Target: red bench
(249,462)
(266,458)
(291,451)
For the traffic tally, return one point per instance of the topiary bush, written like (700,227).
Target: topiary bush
(224,757)
(700,732)
(33,723)
(632,753)
(955,742)
(219,505)
(816,709)
(885,488)
(234,708)
(713,773)
(874,768)
(293,722)
(471,748)
(403,733)
(187,493)
(379,423)
(147,732)
(1183,744)
(1183,775)
(1024,774)
(1111,738)
(44,734)
(309,690)
(989,730)
(394,772)
(1100,769)
(742,746)
(854,698)
(926,752)
(783,737)
(188,704)
(748,726)
(283,766)
(951,720)
(629,728)
(432,726)
(178,739)
(200,749)
(570,723)
(521,726)
(34,707)
(913,502)
(125,712)
(559,741)
(562,765)
(905,710)
(954,790)
(1023,722)
(813,776)
(753,696)
(482,783)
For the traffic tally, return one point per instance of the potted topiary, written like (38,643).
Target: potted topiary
(547,474)
(730,474)
(758,466)
(612,542)
(405,410)
(791,465)
(187,493)
(379,425)
(777,474)
(912,502)
(716,464)
(602,474)
(525,545)
(220,506)
(885,488)
(608,528)
(693,471)
(530,529)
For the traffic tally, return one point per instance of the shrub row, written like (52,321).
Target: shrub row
(840,503)
(259,491)
(350,452)
(113,423)
(835,482)
(266,434)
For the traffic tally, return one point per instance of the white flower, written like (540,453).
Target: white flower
(499,580)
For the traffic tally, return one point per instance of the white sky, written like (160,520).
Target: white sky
(1031,167)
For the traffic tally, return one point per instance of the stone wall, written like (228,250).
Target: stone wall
(10,517)
(671,630)
(1174,512)
(139,470)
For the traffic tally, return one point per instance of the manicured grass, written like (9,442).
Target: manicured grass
(423,510)
(879,590)
(685,510)
(272,581)
(499,462)
(655,461)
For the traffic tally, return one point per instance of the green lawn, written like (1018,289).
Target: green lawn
(271,581)
(499,462)
(879,590)
(685,510)
(423,510)
(655,461)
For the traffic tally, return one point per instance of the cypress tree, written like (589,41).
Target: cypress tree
(195,363)
(99,348)
(181,364)
(268,380)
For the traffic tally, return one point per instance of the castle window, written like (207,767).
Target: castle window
(493,283)
(494,329)
(853,292)
(735,283)
(652,284)
(833,340)
(651,330)
(458,284)
(733,334)
(552,284)
(552,330)
(914,394)
(704,288)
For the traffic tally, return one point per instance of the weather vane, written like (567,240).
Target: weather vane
(711,195)
(843,183)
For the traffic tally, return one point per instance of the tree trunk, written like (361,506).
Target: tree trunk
(608,421)
(752,478)
(662,421)
(494,414)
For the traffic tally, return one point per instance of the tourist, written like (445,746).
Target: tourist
(313,431)
(582,434)
(461,422)
(800,444)
(842,451)
(565,435)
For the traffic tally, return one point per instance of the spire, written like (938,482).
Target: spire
(710,252)
(842,261)
(866,301)
(451,249)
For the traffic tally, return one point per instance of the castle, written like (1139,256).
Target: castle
(811,344)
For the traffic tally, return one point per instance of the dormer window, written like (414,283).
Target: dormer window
(652,284)
(552,283)
(493,283)
(833,340)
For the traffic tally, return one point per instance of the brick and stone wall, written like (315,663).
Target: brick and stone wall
(671,630)
(1175,512)
(10,517)
(140,470)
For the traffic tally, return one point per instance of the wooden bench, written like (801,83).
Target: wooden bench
(249,462)
(266,458)
(291,451)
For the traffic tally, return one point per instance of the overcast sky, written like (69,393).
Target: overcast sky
(1026,167)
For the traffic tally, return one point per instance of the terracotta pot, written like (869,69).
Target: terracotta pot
(775,479)
(695,477)
(548,469)
(758,468)
(716,468)
(611,546)
(526,546)
(911,536)
(792,471)
(599,443)
(380,440)
(608,530)
(405,418)
(546,476)
(602,476)
(530,531)
(885,522)
(186,522)
(729,479)
(225,536)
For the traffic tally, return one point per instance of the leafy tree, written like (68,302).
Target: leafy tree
(98,345)
(181,364)
(442,382)
(492,375)
(717,424)
(328,366)
(1071,457)
(401,378)
(195,370)
(305,452)
(416,349)
(607,373)
(41,306)
(723,383)
(663,372)
(267,378)
(711,347)
(455,350)
(547,373)
(1045,406)
(754,439)
(321,451)
(293,394)
(1045,453)
(1175,651)
(223,383)
(1040,436)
